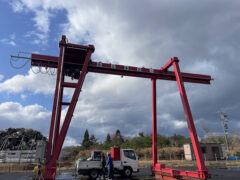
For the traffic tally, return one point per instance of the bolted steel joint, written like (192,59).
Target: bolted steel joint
(63,41)
(91,47)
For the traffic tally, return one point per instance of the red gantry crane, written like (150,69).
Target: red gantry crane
(75,60)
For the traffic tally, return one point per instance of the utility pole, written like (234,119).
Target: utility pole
(225,127)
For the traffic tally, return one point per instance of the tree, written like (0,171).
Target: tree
(162,141)
(86,141)
(141,134)
(178,140)
(173,140)
(108,139)
(118,139)
(93,140)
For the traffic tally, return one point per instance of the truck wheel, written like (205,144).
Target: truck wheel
(93,174)
(127,172)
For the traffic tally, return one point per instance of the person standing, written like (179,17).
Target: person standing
(110,166)
(38,170)
(103,163)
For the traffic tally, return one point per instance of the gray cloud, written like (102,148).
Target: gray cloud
(203,34)
(15,115)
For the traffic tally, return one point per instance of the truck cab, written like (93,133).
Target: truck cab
(129,159)
(125,161)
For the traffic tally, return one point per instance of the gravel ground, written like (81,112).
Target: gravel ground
(217,174)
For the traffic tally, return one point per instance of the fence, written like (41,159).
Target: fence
(182,156)
(170,156)
(21,156)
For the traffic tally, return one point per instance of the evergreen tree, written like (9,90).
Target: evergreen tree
(118,139)
(86,141)
(108,139)
(93,140)
(141,134)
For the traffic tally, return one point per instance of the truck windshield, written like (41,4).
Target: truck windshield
(130,154)
(96,155)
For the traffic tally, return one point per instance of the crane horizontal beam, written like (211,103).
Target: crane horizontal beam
(73,69)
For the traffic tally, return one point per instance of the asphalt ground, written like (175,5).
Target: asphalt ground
(144,174)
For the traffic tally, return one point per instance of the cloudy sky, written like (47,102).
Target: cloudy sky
(205,35)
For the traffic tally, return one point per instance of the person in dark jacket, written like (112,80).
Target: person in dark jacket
(110,166)
(103,163)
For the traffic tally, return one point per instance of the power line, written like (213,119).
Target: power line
(25,58)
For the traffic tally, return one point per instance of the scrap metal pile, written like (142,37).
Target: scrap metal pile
(19,139)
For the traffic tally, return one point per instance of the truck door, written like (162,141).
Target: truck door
(129,158)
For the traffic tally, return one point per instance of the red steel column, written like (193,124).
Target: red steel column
(54,126)
(58,115)
(59,104)
(154,124)
(71,108)
(188,116)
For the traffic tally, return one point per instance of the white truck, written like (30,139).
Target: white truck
(125,162)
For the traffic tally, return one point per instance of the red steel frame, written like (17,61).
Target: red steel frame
(159,169)
(77,58)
